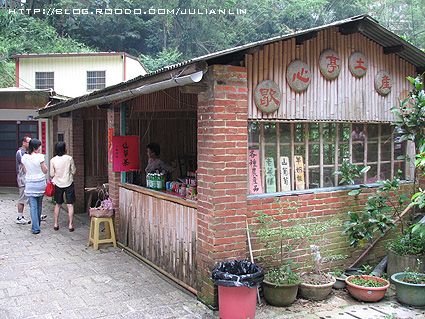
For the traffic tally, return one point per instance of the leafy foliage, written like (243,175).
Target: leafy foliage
(163,58)
(22,34)
(282,235)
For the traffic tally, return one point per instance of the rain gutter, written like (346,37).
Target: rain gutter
(121,96)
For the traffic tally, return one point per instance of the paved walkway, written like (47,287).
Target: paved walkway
(55,275)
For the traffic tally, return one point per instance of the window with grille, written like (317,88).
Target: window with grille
(95,80)
(44,80)
(294,156)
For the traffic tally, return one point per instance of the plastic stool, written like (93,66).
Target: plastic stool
(95,238)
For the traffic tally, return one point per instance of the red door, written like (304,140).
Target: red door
(11,133)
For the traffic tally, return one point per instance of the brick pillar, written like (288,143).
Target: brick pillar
(114,178)
(77,152)
(222,173)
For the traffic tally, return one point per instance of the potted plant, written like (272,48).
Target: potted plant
(405,251)
(367,288)
(340,277)
(281,236)
(410,287)
(280,286)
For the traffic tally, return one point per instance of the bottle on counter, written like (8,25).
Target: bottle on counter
(183,190)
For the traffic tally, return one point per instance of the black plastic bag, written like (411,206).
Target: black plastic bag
(237,273)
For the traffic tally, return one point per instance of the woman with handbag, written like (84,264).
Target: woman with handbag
(62,169)
(35,182)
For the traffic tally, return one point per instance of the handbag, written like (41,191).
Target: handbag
(50,189)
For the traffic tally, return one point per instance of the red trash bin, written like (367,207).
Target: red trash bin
(237,302)
(237,282)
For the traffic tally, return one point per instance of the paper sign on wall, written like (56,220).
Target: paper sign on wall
(254,173)
(270,175)
(126,153)
(285,177)
(299,172)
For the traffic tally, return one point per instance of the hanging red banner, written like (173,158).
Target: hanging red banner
(43,137)
(110,153)
(125,153)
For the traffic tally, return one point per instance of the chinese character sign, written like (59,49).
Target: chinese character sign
(267,96)
(110,151)
(254,173)
(43,137)
(270,175)
(299,172)
(383,82)
(298,75)
(125,153)
(285,176)
(330,64)
(358,64)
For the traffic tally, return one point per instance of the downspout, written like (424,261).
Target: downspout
(17,73)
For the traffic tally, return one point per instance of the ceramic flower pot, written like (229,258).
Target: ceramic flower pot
(368,294)
(317,292)
(280,295)
(408,293)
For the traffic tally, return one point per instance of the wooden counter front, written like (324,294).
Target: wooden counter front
(160,227)
(161,195)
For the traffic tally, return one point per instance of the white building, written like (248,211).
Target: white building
(75,74)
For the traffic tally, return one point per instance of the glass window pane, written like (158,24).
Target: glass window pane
(299,132)
(314,177)
(328,130)
(372,174)
(329,177)
(254,130)
(329,154)
(270,132)
(8,136)
(313,132)
(8,128)
(372,133)
(386,142)
(285,133)
(385,171)
(358,137)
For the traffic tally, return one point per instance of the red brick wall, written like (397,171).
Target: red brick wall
(114,178)
(222,173)
(323,206)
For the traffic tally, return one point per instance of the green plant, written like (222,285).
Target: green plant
(367,281)
(377,215)
(409,243)
(281,234)
(414,277)
(283,275)
(349,173)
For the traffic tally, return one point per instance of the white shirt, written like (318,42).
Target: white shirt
(62,169)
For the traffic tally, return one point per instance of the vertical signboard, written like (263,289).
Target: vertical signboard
(285,177)
(43,137)
(299,172)
(254,173)
(126,153)
(270,175)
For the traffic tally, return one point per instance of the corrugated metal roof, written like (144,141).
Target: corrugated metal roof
(71,54)
(362,24)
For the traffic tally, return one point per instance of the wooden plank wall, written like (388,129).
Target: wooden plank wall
(95,147)
(168,118)
(346,98)
(161,231)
